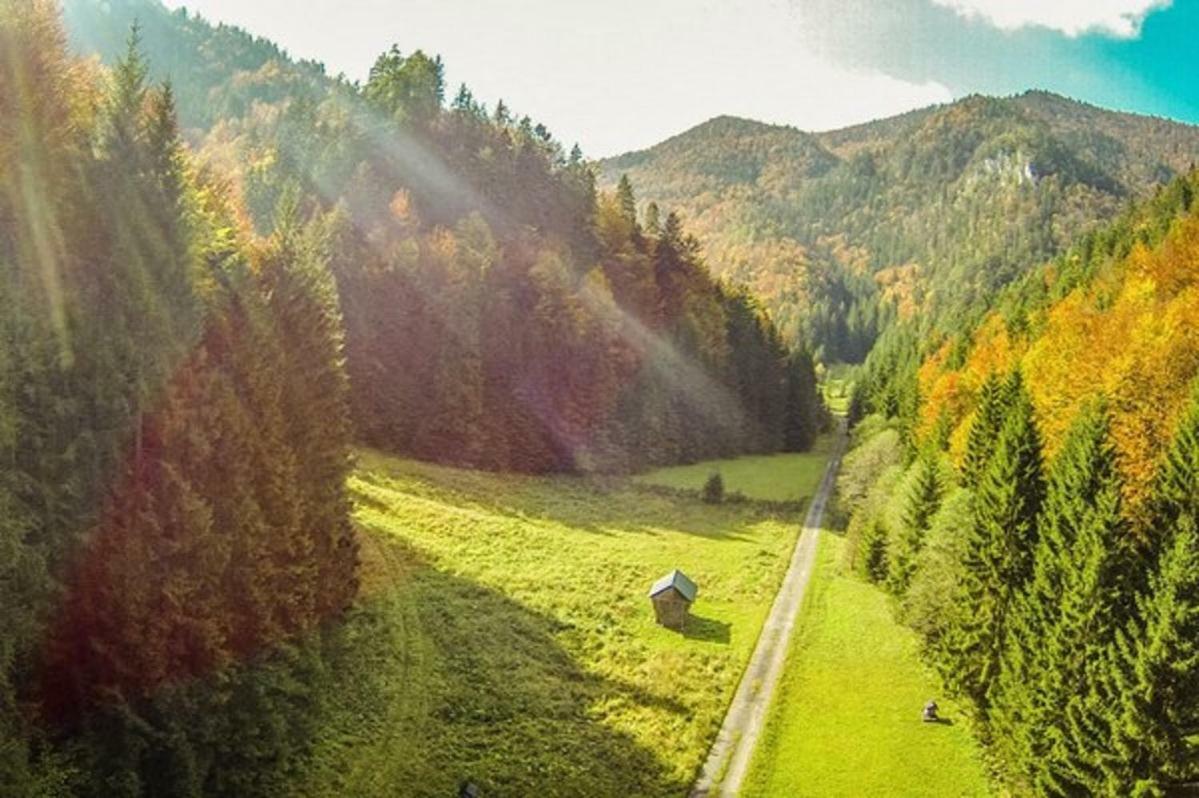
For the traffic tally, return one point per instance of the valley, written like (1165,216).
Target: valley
(505,637)
(918,218)
(348,416)
(845,721)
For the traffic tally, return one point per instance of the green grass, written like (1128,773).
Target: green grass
(772,477)
(845,721)
(505,635)
(837,387)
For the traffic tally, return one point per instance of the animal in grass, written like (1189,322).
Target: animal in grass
(673,596)
(929,715)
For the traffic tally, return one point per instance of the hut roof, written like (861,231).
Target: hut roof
(679,581)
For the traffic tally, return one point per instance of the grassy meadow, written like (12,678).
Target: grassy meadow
(504,634)
(846,719)
(837,387)
(771,477)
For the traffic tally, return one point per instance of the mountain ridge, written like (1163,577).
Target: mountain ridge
(838,232)
(1025,98)
(938,207)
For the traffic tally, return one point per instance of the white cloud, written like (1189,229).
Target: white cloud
(1120,18)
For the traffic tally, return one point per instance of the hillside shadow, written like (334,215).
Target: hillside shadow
(503,703)
(707,629)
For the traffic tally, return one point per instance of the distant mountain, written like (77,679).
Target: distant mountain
(934,209)
(837,232)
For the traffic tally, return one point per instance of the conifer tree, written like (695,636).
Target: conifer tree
(984,430)
(625,198)
(123,114)
(920,505)
(1152,673)
(653,220)
(1156,679)
(293,270)
(873,559)
(157,459)
(1175,494)
(998,556)
(1067,617)
(801,423)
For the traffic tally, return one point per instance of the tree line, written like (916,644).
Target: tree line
(1051,575)
(500,312)
(189,352)
(174,428)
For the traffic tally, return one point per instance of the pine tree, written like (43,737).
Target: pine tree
(1067,617)
(942,433)
(123,131)
(998,556)
(872,563)
(167,200)
(1157,676)
(302,297)
(984,430)
(653,220)
(625,198)
(150,434)
(801,422)
(409,88)
(1175,495)
(1153,670)
(920,505)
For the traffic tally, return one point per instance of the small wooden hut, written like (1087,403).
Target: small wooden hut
(672,596)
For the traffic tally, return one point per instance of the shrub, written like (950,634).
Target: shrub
(873,562)
(873,525)
(714,489)
(928,605)
(864,465)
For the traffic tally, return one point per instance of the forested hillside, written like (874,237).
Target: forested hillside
(220,74)
(195,334)
(927,214)
(221,267)
(170,507)
(499,312)
(1026,487)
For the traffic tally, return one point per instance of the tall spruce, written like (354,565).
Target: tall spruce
(801,421)
(984,430)
(1176,488)
(998,554)
(921,503)
(1048,708)
(1153,670)
(1157,679)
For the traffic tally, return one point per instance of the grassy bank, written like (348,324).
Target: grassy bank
(505,636)
(773,477)
(846,719)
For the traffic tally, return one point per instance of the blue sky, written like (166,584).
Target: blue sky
(616,75)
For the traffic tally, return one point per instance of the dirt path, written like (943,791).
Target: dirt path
(728,761)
